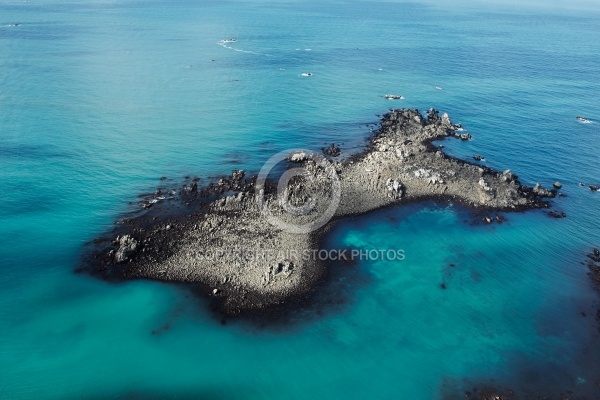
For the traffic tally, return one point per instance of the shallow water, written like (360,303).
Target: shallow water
(98,100)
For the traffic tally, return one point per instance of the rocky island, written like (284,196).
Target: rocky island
(247,242)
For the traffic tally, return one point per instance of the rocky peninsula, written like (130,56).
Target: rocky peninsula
(222,238)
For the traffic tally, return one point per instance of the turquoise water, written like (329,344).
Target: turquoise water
(100,99)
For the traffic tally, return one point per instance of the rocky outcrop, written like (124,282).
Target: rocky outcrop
(127,248)
(394,188)
(557,214)
(332,150)
(540,191)
(593,263)
(235,239)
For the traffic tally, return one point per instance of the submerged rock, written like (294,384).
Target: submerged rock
(594,255)
(222,226)
(500,219)
(594,270)
(332,150)
(507,176)
(395,188)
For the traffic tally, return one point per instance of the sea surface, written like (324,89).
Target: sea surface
(99,99)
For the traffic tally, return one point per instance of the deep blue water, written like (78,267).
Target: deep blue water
(100,99)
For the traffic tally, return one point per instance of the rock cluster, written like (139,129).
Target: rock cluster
(594,266)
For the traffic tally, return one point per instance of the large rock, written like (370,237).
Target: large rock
(595,255)
(332,150)
(237,174)
(540,191)
(507,176)
(394,188)
(446,123)
(433,115)
(299,157)
(127,248)
(235,226)
(402,152)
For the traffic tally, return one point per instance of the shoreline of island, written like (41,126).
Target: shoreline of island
(168,241)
